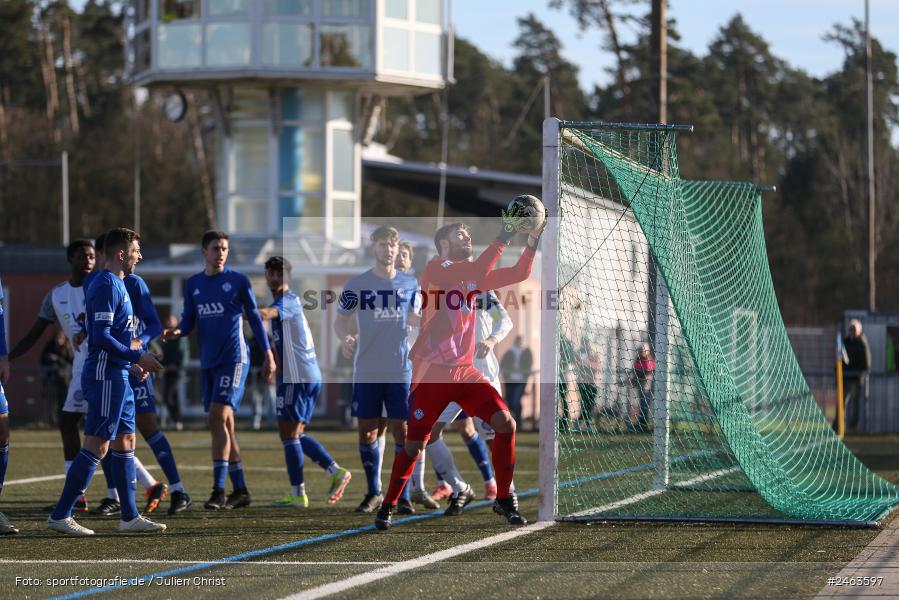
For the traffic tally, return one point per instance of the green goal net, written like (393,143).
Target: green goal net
(678,394)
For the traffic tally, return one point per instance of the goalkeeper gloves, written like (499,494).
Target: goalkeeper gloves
(512,220)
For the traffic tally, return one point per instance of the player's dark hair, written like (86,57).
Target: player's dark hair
(72,248)
(385,232)
(278,263)
(212,235)
(444,232)
(408,247)
(100,243)
(119,238)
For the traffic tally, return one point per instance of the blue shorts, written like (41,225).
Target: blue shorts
(110,405)
(296,401)
(224,385)
(144,394)
(4,407)
(376,400)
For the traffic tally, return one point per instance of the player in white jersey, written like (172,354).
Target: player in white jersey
(64,305)
(299,385)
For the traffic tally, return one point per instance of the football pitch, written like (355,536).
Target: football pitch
(266,552)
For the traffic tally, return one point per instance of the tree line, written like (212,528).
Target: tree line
(756,118)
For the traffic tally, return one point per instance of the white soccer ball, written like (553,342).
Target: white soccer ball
(533,210)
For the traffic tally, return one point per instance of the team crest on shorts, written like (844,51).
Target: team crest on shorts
(226,286)
(419,414)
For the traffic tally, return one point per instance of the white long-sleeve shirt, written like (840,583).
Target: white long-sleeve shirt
(492,320)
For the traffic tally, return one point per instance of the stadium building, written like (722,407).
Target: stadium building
(293,87)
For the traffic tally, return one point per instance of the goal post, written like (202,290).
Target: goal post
(549,357)
(668,387)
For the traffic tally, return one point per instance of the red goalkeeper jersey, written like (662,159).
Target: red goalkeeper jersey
(450,290)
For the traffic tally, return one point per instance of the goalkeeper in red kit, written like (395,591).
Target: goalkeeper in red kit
(442,370)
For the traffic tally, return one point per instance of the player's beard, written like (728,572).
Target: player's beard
(458,253)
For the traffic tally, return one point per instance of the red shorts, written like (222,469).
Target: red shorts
(438,386)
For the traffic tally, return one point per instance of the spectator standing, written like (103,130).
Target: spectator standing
(516,366)
(644,369)
(857,361)
(56,365)
(175,354)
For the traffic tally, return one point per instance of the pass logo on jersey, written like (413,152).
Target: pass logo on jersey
(388,313)
(210,309)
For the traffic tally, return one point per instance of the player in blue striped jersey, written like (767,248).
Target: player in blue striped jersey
(215,302)
(299,385)
(110,400)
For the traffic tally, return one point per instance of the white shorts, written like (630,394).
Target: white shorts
(75,402)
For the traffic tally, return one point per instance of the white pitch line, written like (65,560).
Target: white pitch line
(149,468)
(33,480)
(415,563)
(8,561)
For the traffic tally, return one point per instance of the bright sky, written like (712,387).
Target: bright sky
(793,28)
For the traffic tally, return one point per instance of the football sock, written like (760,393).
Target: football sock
(382,444)
(442,459)
(124,472)
(143,475)
(235,472)
(298,490)
(159,444)
(406,494)
(314,450)
(77,480)
(371,461)
(417,481)
(504,461)
(478,450)
(219,473)
(293,457)
(65,467)
(399,476)
(106,461)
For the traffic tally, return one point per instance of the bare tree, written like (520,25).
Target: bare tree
(601,15)
(70,74)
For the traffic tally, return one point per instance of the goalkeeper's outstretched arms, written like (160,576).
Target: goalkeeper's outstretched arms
(517,218)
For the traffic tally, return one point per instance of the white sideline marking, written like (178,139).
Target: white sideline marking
(415,563)
(110,561)
(34,480)
(149,468)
